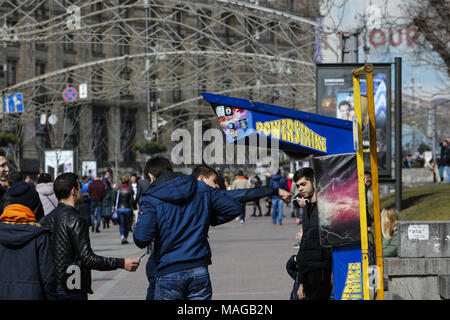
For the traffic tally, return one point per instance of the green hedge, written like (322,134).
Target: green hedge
(7,138)
(149,147)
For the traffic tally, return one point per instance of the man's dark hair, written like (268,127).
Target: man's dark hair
(14,176)
(44,178)
(343,103)
(2,152)
(203,170)
(64,183)
(157,166)
(367,173)
(307,173)
(240,173)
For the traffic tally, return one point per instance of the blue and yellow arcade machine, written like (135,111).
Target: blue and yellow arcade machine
(339,168)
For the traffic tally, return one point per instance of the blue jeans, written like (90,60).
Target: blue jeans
(125,221)
(96,212)
(191,284)
(63,295)
(447,171)
(277,204)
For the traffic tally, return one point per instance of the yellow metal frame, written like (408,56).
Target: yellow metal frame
(368,70)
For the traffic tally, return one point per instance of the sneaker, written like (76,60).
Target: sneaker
(242,221)
(296,245)
(124,241)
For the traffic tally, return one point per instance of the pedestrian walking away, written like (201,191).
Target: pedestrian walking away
(97,191)
(255,183)
(27,270)
(71,244)
(240,183)
(124,207)
(45,189)
(175,214)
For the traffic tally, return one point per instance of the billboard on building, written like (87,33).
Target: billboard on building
(89,168)
(59,161)
(334,92)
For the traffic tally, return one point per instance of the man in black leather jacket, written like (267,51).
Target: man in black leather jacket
(71,247)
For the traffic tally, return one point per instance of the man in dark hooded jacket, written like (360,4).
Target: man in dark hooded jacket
(27,270)
(175,213)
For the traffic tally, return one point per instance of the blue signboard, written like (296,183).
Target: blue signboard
(13,103)
(294,130)
(347,273)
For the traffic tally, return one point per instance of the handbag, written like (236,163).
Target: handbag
(115,215)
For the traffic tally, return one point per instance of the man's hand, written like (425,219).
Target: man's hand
(300,292)
(302,202)
(131,264)
(285,195)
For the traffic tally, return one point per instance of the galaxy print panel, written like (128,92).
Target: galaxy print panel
(337,199)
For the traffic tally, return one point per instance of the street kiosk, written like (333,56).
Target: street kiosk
(336,146)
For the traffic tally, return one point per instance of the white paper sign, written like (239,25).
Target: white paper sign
(83,91)
(418,231)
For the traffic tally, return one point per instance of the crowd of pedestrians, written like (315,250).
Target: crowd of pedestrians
(45,229)
(439,168)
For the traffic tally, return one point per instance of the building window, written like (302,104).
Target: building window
(97,80)
(124,45)
(70,80)
(40,68)
(97,45)
(100,135)
(71,128)
(127,134)
(11,72)
(68,42)
(39,45)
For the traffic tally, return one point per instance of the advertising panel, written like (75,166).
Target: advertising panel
(337,199)
(334,85)
(294,131)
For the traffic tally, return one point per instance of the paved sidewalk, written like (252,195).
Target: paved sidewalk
(249,261)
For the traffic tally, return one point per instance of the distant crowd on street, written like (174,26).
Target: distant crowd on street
(440,168)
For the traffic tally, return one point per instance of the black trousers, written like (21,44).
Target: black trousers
(317,284)
(256,205)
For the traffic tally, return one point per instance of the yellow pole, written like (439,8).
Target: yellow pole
(361,188)
(375,186)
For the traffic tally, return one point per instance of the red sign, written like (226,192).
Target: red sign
(70,94)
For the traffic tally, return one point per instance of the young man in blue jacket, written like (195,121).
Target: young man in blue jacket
(209,176)
(176,212)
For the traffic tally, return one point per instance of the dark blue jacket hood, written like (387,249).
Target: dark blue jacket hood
(17,234)
(173,187)
(276,177)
